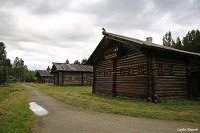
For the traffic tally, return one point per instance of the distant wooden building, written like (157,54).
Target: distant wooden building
(129,67)
(44,76)
(72,74)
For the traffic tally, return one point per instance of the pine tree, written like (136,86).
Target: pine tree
(2,53)
(16,63)
(19,69)
(48,69)
(77,62)
(167,39)
(84,61)
(5,65)
(191,42)
(67,61)
(177,44)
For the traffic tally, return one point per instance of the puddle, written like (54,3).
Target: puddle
(37,109)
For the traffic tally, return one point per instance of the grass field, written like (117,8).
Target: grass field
(15,115)
(81,97)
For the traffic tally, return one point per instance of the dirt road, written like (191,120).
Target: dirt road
(63,119)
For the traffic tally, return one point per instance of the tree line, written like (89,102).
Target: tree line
(190,42)
(83,62)
(13,72)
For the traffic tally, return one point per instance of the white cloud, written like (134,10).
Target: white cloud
(42,32)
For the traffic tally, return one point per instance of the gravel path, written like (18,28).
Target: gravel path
(64,119)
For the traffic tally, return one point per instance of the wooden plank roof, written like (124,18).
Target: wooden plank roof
(128,40)
(44,73)
(72,67)
(145,44)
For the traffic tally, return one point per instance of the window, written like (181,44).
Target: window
(104,73)
(111,53)
(160,69)
(121,71)
(166,69)
(141,69)
(73,77)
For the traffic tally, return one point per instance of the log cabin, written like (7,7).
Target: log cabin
(44,76)
(72,74)
(131,68)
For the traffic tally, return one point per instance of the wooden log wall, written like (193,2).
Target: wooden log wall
(40,79)
(94,80)
(194,74)
(125,77)
(171,77)
(43,79)
(56,78)
(195,84)
(73,78)
(87,79)
(103,76)
(194,64)
(48,79)
(131,76)
(60,78)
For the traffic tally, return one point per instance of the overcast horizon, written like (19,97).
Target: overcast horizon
(41,32)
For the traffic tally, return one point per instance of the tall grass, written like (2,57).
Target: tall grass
(15,115)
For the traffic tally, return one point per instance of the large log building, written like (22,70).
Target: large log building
(129,67)
(72,74)
(44,76)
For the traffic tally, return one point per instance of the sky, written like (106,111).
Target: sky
(45,31)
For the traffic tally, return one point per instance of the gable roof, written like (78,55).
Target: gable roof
(72,67)
(44,73)
(145,44)
(140,43)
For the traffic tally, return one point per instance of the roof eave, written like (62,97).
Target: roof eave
(187,53)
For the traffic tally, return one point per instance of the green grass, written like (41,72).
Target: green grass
(184,110)
(15,115)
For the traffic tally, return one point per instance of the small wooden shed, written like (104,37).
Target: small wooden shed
(44,76)
(128,67)
(72,74)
